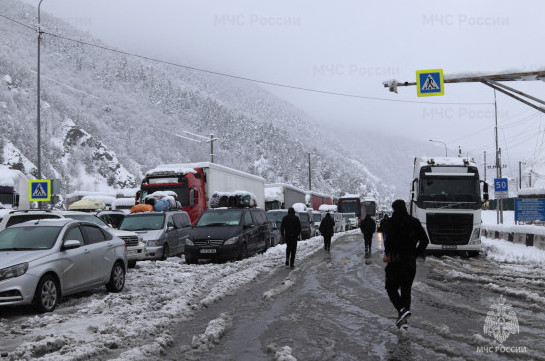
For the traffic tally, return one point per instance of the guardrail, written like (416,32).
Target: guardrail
(531,236)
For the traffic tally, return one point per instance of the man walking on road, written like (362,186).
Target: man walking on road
(368,227)
(405,241)
(327,226)
(290,230)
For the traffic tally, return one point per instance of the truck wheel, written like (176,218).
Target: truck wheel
(190,260)
(117,278)
(473,253)
(166,251)
(47,295)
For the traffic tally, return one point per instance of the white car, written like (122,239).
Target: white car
(45,259)
(136,247)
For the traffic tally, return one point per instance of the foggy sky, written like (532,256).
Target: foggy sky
(350,47)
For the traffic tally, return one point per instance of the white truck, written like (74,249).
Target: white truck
(14,189)
(446,198)
(282,196)
(195,183)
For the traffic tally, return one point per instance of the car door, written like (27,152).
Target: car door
(263,231)
(173,236)
(102,251)
(77,262)
(250,232)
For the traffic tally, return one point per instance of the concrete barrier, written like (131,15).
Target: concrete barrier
(528,239)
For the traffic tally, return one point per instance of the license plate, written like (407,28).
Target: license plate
(213,250)
(450,246)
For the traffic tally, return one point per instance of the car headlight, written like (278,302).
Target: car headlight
(154,243)
(189,242)
(231,241)
(13,271)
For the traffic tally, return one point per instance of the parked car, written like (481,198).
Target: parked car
(43,260)
(339,221)
(276,237)
(350,221)
(136,248)
(113,218)
(165,233)
(228,233)
(317,219)
(275,217)
(307,224)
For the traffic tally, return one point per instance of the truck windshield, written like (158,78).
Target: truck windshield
(449,189)
(220,218)
(350,206)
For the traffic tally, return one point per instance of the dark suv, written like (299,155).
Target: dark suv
(228,233)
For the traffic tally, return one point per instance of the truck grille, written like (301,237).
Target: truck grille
(208,242)
(130,240)
(445,228)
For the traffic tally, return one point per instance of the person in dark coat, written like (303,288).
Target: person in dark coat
(368,227)
(383,226)
(405,241)
(290,229)
(327,228)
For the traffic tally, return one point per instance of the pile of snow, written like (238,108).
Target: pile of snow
(299,207)
(328,208)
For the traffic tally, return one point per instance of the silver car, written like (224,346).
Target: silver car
(43,260)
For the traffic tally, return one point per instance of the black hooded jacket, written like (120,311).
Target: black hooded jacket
(405,236)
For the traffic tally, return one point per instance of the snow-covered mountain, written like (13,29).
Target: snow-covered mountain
(106,118)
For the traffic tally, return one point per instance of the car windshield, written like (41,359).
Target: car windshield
(316,217)
(220,218)
(143,222)
(276,216)
(88,218)
(31,238)
(304,217)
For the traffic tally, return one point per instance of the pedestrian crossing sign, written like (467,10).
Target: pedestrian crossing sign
(430,82)
(40,190)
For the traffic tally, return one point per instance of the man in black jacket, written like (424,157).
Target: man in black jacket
(290,230)
(368,227)
(405,240)
(327,228)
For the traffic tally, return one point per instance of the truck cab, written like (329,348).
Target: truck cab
(446,198)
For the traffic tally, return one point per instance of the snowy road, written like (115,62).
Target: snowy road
(332,306)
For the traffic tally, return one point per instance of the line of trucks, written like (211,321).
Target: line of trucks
(445,195)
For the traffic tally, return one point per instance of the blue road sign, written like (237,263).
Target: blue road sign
(529,209)
(500,185)
(430,82)
(40,190)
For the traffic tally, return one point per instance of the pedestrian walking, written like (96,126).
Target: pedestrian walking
(327,228)
(383,226)
(405,241)
(368,227)
(290,229)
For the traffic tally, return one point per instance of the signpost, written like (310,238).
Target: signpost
(430,82)
(501,188)
(40,190)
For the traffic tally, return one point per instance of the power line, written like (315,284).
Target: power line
(241,77)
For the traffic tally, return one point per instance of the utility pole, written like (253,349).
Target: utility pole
(499,201)
(485,166)
(309,174)
(38,121)
(520,174)
(212,139)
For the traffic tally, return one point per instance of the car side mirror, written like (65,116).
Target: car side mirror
(71,244)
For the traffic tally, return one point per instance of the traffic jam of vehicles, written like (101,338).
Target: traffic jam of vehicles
(204,212)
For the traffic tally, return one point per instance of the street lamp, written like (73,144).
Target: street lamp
(520,174)
(436,141)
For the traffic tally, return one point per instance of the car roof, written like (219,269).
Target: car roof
(48,222)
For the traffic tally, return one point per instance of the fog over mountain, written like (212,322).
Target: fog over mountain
(107,117)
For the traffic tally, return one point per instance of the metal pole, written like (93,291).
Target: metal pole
(38,122)
(309,174)
(485,165)
(445,144)
(211,148)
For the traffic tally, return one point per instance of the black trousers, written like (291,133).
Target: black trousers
(327,241)
(368,238)
(291,249)
(399,281)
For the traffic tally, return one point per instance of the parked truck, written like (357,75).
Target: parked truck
(195,183)
(14,189)
(446,198)
(314,199)
(282,196)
